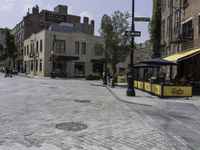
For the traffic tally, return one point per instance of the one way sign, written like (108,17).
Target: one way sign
(132,33)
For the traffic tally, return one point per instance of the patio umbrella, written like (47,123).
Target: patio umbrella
(142,65)
(161,62)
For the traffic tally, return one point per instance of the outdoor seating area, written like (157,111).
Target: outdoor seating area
(154,80)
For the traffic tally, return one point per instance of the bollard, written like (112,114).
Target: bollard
(112,83)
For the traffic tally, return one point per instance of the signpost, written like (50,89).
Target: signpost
(133,33)
(142,19)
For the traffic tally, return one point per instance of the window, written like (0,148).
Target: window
(185,2)
(40,64)
(79,68)
(187,29)
(163,5)
(36,65)
(76,47)
(177,21)
(163,28)
(199,24)
(41,45)
(27,49)
(170,3)
(24,50)
(37,46)
(83,49)
(98,52)
(31,64)
(60,45)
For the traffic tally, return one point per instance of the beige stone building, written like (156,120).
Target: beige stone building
(70,52)
(36,21)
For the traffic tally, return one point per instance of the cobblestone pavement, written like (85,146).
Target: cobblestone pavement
(31,108)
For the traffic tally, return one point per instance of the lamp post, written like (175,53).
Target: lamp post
(130,91)
(105,69)
(53,56)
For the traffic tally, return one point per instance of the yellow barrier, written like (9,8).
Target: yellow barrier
(140,85)
(177,91)
(157,89)
(147,86)
(135,84)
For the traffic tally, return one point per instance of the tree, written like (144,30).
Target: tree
(10,52)
(155,28)
(117,44)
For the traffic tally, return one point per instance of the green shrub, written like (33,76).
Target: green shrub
(92,76)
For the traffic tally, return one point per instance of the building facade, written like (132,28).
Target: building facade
(142,52)
(180,32)
(64,52)
(39,20)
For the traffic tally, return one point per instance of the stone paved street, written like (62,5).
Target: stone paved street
(31,108)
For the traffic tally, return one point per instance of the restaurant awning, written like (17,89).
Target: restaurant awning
(183,55)
(159,61)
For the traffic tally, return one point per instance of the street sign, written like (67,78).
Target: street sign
(132,33)
(143,19)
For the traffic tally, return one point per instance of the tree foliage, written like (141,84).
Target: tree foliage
(10,51)
(117,44)
(155,28)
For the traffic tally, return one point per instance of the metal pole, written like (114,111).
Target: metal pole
(130,91)
(105,69)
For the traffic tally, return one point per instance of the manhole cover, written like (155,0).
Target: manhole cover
(82,101)
(53,87)
(71,126)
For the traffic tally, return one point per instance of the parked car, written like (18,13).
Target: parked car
(2,69)
(14,71)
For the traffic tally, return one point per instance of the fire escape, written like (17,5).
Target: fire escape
(180,34)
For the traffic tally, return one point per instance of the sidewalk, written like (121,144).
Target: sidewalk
(146,99)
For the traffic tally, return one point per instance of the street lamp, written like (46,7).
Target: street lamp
(130,91)
(53,56)
(105,69)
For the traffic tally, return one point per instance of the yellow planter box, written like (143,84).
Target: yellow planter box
(121,79)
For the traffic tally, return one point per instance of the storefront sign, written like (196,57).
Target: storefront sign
(178,91)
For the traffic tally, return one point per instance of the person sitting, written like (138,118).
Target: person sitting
(184,80)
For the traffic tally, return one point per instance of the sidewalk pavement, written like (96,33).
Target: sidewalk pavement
(146,99)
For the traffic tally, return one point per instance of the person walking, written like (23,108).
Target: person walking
(8,72)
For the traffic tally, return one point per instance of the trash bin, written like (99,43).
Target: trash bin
(112,82)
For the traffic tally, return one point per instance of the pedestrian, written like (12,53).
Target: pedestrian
(7,71)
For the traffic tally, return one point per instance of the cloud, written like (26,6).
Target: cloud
(86,14)
(6,5)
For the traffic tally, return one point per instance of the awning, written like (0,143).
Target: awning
(159,61)
(183,55)
(101,60)
(66,58)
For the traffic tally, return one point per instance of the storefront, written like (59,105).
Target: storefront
(188,66)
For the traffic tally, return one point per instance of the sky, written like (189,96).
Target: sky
(12,11)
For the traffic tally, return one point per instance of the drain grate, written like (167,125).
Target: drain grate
(82,101)
(71,126)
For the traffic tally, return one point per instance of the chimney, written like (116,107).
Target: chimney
(35,10)
(85,20)
(61,9)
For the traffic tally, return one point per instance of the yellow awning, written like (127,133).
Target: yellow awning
(183,55)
